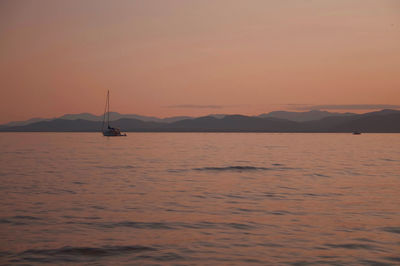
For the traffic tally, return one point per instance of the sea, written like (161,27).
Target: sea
(199,199)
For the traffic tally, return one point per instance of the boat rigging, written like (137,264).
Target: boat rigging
(109,131)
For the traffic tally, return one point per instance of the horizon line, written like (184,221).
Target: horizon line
(296,110)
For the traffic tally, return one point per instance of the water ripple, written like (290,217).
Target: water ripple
(88,251)
(138,225)
(232,168)
(169,225)
(115,167)
(351,246)
(395,230)
(74,254)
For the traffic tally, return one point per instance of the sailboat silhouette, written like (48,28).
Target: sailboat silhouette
(109,131)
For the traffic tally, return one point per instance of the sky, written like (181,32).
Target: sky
(197,57)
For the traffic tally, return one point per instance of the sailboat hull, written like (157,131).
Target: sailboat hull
(110,135)
(113,133)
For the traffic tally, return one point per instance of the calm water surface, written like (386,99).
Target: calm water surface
(200,198)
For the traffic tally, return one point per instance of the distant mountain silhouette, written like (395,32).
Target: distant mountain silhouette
(84,116)
(293,116)
(383,112)
(23,123)
(116,116)
(386,121)
(303,116)
(232,123)
(380,122)
(91,117)
(218,115)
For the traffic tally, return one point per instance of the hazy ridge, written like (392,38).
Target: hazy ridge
(381,121)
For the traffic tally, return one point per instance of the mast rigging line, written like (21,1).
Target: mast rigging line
(106,110)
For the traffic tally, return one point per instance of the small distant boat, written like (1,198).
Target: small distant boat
(109,131)
(356,132)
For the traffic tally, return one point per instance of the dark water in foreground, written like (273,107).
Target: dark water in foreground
(200,198)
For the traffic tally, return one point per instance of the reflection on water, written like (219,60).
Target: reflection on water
(200,198)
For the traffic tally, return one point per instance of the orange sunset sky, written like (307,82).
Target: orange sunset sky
(176,57)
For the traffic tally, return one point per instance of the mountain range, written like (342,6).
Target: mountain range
(279,121)
(91,117)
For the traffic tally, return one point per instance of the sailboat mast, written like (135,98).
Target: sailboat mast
(108,110)
(105,113)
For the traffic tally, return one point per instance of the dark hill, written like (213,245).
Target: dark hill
(233,123)
(303,116)
(58,125)
(80,125)
(379,122)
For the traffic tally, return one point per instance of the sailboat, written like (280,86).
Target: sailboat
(109,131)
